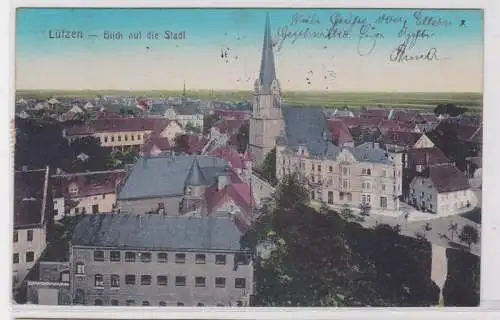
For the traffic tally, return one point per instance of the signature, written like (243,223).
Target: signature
(400,54)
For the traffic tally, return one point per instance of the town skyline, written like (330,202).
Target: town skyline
(230,50)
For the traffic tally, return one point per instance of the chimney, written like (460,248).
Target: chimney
(140,221)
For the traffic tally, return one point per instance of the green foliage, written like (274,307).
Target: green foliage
(268,168)
(319,259)
(469,235)
(461,288)
(449,109)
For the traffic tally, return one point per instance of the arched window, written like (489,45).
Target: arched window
(114,302)
(162,304)
(115,281)
(145,303)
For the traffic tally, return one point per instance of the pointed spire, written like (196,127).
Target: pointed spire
(195,175)
(184,90)
(267,69)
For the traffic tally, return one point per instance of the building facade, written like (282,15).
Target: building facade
(163,261)
(32,214)
(339,176)
(266,121)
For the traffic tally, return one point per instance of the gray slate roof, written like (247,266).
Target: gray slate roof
(166,175)
(267,70)
(308,127)
(157,232)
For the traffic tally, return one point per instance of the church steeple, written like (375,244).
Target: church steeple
(267,70)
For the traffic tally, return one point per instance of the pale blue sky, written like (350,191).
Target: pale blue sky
(307,64)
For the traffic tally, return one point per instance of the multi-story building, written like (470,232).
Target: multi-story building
(85,193)
(337,175)
(158,260)
(441,189)
(266,122)
(174,184)
(32,214)
(124,132)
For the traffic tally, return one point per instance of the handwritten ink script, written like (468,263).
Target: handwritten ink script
(412,33)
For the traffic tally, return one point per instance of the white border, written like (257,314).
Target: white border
(490,277)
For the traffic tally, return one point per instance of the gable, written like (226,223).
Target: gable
(423,142)
(346,157)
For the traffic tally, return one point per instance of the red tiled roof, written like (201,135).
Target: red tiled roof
(368,123)
(155,125)
(426,156)
(375,113)
(447,178)
(400,138)
(231,114)
(29,196)
(230,126)
(239,193)
(230,155)
(406,116)
(195,143)
(89,183)
(161,143)
(340,132)
(391,125)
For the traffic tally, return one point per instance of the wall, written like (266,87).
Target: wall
(141,206)
(51,271)
(36,288)
(260,188)
(189,295)
(22,246)
(104,201)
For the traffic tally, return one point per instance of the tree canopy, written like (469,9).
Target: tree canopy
(449,109)
(319,259)
(268,168)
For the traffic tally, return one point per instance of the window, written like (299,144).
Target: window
(220,282)
(421,194)
(114,256)
(330,197)
(161,280)
(64,276)
(344,171)
(126,138)
(312,179)
(15,258)
(129,302)
(239,283)
(161,303)
(129,256)
(146,280)
(130,279)
(105,139)
(145,303)
(312,166)
(384,187)
(200,258)
(114,302)
(219,305)
(80,268)
(119,138)
(180,304)
(180,281)
(16,236)
(30,256)
(180,258)
(98,255)
(77,210)
(98,280)
(162,257)
(220,259)
(138,137)
(115,281)
(384,173)
(56,212)
(345,183)
(112,139)
(313,195)
(97,302)
(330,169)
(132,137)
(30,235)
(199,282)
(146,256)
(383,202)
(319,168)
(95,208)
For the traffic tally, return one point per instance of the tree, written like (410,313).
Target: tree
(268,168)
(242,138)
(469,235)
(453,228)
(208,122)
(181,143)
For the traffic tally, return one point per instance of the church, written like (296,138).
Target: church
(338,175)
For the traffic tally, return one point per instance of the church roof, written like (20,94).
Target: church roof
(267,70)
(195,175)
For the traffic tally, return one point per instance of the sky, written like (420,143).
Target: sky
(222,49)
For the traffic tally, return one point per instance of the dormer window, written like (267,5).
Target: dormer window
(73,188)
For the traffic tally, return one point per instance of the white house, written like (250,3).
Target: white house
(441,189)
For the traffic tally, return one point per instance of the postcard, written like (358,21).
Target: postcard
(247,157)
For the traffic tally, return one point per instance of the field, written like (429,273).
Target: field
(414,100)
